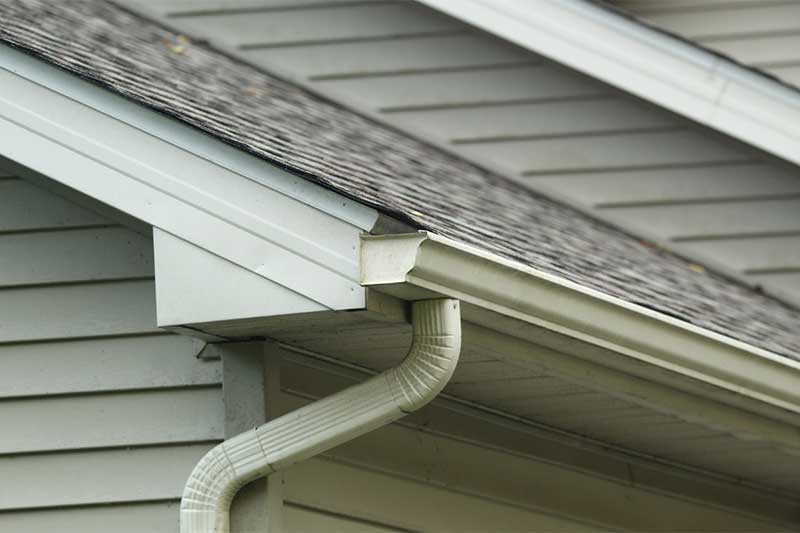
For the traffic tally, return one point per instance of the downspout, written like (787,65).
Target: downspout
(315,428)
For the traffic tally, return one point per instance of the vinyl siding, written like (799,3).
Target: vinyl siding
(431,472)
(551,128)
(104,414)
(761,33)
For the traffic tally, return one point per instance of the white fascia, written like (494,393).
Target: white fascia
(653,65)
(656,359)
(182,181)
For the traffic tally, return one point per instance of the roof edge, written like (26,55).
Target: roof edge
(174,177)
(653,65)
(761,380)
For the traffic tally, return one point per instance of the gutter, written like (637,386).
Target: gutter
(315,428)
(687,370)
(670,72)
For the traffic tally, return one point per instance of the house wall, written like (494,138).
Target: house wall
(621,159)
(451,468)
(761,33)
(103,415)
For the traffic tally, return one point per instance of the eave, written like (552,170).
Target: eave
(687,79)
(209,203)
(647,357)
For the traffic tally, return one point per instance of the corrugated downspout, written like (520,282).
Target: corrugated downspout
(326,423)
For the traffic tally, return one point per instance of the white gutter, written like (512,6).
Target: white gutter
(655,66)
(673,356)
(431,360)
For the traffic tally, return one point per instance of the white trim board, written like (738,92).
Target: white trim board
(652,65)
(175,178)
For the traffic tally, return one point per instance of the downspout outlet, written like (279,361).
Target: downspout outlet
(322,425)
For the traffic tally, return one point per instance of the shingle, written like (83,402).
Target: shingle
(381,167)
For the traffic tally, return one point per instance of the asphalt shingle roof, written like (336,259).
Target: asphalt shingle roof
(381,167)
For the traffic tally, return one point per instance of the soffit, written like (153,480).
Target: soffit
(536,394)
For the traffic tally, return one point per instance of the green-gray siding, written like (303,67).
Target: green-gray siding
(761,33)
(104,415)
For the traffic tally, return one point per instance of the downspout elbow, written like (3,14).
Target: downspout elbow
(324,424)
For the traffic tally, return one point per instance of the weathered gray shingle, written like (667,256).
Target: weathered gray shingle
(383,168)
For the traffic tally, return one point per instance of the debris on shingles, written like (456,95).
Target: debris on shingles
(700,269)
(178,45)
(258,92)
(380,167)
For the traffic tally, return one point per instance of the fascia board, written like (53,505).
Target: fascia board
(182,181)
(652,65)
(424,261)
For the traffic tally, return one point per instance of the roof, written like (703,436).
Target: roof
(380,167)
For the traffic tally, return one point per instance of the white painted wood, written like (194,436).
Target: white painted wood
(77,255)
(72,311)
(111,420)
(336,23)
(194,286)
(16,213)
(98,477)
(120,518)
(104,364)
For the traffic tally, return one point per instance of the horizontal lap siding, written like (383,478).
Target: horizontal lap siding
(99,405)
(161,517)
(551,128)
(761,33)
